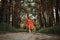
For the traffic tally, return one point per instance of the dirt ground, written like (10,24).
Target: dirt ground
(28,36)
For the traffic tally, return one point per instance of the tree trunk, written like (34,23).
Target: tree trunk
(5,11)
(16,15)
(57,14)
(1,12)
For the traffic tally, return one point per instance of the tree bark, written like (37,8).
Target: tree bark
(5,11)
(16,15)
(57,14)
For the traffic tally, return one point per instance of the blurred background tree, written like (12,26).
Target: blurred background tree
(44,13)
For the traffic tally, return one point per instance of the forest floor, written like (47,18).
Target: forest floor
(28,36)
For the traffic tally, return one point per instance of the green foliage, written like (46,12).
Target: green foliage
(34,29)
(7,28)
(57,29)
(22,30)
(46,30)
(51,30)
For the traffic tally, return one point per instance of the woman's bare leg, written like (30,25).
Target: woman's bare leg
(29,29)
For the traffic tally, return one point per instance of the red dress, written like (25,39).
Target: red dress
(30,24)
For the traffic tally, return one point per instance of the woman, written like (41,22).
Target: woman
(29,23)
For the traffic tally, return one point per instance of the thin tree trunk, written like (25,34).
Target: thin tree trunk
(57,15)
(1,12)
(16,15)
